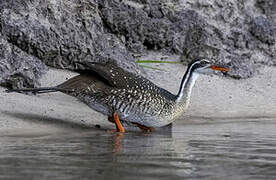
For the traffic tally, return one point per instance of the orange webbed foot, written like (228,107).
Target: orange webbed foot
(145,128)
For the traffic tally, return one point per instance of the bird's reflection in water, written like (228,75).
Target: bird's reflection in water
(134,132)
(151,154)
(93,153)
(136,138)
(117,142)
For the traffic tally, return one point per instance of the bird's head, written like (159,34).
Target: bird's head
(206,66)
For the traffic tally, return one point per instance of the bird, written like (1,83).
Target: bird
(128,98)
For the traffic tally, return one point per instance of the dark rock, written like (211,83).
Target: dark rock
(150,25)
(61,32)
(263,29)
(240,66)
(17,68)
(238,39)
(200,43)
(268,6)
(213,29)
(231,37)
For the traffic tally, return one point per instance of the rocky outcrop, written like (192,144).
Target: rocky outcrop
(60,33)
(17,68)
(236,33)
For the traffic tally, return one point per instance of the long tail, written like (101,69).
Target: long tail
(35,90)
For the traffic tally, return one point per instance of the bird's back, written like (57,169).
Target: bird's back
(117,77)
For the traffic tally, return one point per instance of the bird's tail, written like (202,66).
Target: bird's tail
(35,90)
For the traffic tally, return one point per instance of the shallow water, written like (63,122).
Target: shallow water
(220,149)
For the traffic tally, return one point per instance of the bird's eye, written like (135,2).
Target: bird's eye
(205,61)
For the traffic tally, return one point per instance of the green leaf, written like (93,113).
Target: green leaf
(150,67)
(156,61)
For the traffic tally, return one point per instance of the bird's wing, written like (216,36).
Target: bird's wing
(91,82)
(117,76)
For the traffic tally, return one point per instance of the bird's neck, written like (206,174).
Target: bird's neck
(184,94)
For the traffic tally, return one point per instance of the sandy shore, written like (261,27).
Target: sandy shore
(214,98)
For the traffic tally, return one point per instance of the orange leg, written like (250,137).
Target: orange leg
(145,128)
(119,126)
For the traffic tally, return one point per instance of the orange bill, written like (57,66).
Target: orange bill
(218,68)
